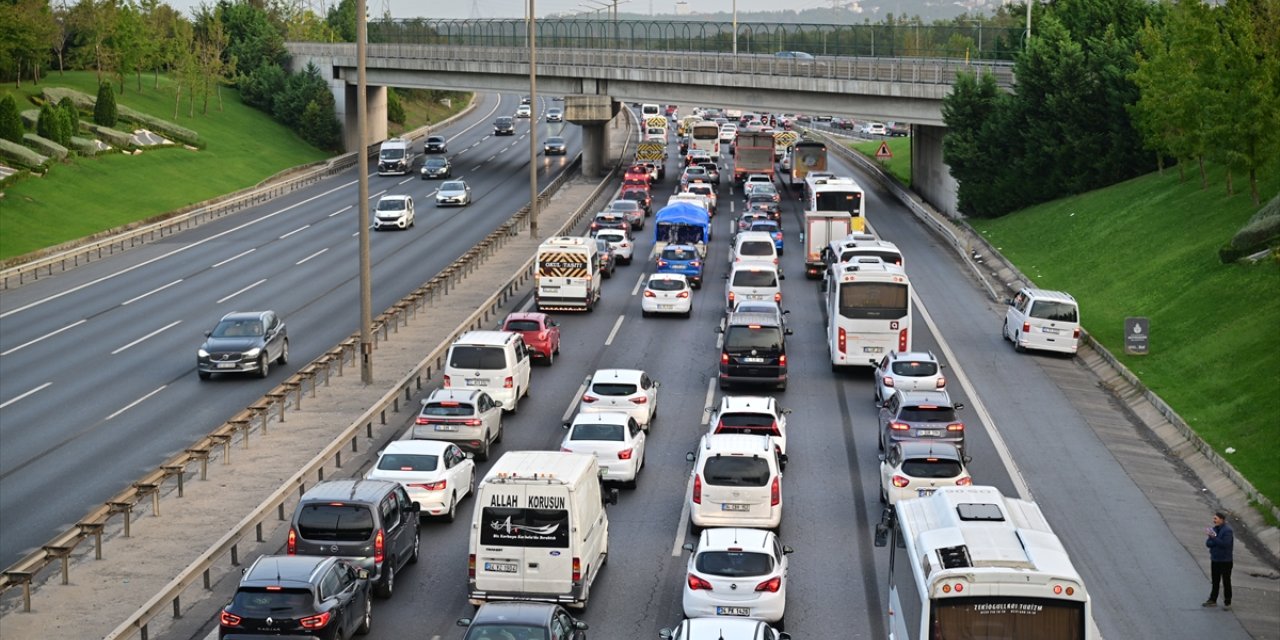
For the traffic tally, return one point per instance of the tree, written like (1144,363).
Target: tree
(11,128)
(970,105)
(251,37)
(72,115)
(261,87)
(53,125)
(395,109)
(341,19)
(92,23)
(26,28)
(300,90)
(104,108)
(319,123)
(1245,94)
(129,40)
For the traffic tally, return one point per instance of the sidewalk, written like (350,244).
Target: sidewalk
(102,593)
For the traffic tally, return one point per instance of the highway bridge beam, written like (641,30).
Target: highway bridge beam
(930,176)
(593,113)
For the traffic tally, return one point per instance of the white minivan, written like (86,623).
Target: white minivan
(754,246)
(737,482)
(496,362)
(539,530)
(752,281)
(1044,320)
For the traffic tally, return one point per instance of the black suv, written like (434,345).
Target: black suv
(372,523)
(921,415)
(502,620)
(436,144)
(313,596)
(754,351)
(504,126)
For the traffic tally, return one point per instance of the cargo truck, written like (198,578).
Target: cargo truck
(821,228)
(754,154)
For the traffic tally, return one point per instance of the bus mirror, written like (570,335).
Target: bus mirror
(788,331)
(959,406)
(882,535)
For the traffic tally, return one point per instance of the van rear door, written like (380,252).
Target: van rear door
(500,556)
(549,550)
(737,485)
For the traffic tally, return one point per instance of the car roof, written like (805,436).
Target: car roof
(417,447)
(527,315)
(358,490)
(917,449)
(531,613)
(686,247)
(720,627)
(736,443)
(243,315)
(285,571)
(668,276)
(723,538)
(395,196)
(620,375)
(1048,294)
(913,355)
(454,395)
(912,398)
(735,404)
(435,138)
(753,317)
(602,417)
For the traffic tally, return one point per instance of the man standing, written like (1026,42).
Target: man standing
(1220,543)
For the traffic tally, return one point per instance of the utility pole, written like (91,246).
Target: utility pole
(1026,38)
(362,155)
(533,124)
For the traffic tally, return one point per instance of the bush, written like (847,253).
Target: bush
(179,133)
(21,155)
(85,146)
(72,113)
(46,146)
(262,85)
(300,90)
(395,110)
(115,138)
(104,108)
(1268,210)
(319,124)
(54,125)
(11,128)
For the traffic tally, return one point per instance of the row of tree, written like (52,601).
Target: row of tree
(1108,90)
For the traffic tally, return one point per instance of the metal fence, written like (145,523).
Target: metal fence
(876,40)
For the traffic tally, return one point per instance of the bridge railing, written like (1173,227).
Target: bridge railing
(978,42)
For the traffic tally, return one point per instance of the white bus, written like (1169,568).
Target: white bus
(967,562)
(839,194)
(705,136)
(868,310)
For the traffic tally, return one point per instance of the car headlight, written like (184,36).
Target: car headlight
(201,353)
(253,353)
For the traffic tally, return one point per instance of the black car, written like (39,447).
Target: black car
(243,342)
(503,620)
(554,146)
(313,596)
(437,167)
(754,350)
(504,126)
(436,144)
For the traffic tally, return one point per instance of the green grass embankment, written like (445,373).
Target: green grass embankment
(899,166)
(1148,247)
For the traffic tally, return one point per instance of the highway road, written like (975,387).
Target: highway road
(97,379)
(1023,433)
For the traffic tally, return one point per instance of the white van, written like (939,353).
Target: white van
(754,246)
(737,482)
(1043,319)
(752,281)
(650,110)
(496,362)
(539,530)
(395,157)
(567,274)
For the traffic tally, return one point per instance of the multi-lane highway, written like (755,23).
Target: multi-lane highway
(97,366)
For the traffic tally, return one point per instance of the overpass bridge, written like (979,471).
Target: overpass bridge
(650,64)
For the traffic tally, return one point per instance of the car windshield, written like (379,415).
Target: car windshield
(392,154)
(436,162)
(624,205)
(751,278)
(634,195)
(914,368)
(613,388)
(435,140)
(695,171)
(503,121)
(447,409)
(522,325)
(338,522)
(734,563)
(476,357)
(504,631)
(678,254)
(931,468)
(768,227)
(555,140)
(666,284)
(743,337)
(612,236)
(601,432)
(759,197)
(1056,311)
(257,602)
(407,462)
(735,471)
(394,204)
(237,329)
(927,414)
(755,248)
(701,189)
(453,186)
(755,306)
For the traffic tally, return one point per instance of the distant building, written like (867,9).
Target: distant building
(682,8)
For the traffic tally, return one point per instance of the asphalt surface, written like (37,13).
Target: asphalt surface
(97,380)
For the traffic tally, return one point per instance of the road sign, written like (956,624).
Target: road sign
(1136,332)
(883,153)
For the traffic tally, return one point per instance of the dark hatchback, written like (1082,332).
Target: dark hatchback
(309,596)
(502,620)
(504,126)
(435,144)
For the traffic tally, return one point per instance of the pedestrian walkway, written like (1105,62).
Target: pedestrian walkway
(102,593)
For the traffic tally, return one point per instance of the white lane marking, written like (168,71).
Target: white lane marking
(733,206)
(639,283)
(311,256)
(706,404)
(1002,449)
(303,227)
(483,139)
(404,181)
(683,523)
(47,335)
(613,334)
(342,210)
(136,402)
(156,290)
(377,194)
(17,398)
(164,328)
(242,291)
(478,167)
(236,256)
(573,402)
(492,157)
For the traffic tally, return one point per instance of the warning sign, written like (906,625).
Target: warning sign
(883,153)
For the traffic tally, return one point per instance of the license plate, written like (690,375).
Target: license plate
(477,382)
(754,297)
(924,492)
(735,507)
(753,360)
(931,433)
(500,567)
(733,611)
(666,306)
(1049,330)
(226,365)
(872,349)
(446,427)
(678,267)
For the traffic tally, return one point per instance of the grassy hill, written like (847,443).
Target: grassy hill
(1148,247)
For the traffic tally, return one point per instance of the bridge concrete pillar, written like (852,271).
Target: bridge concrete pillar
(593,113)
(930,176)
(376,104)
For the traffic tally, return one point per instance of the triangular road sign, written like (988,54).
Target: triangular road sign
(883,153)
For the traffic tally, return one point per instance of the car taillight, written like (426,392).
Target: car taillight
(1026,327)
(472,422)
(291,547)
(577,570)
(589,399)
(430,486)
(649,294)
(509,383)
(625,454)
(902,340)
(379,547)
(471,566)
(775,492)
(640,400)
(695,264)
(899,426)
(446,382)
(697,489)
(782,360)
(771,585)
(317,621)
(228,619)
(731,296)
(955,426)
(964,482)
(724,358)
(682,294)
(662,263)
(899,481)
(888,381)
(696,583)
(1076,333)
(777,297)
(942,381)
(840,339)
(422,420)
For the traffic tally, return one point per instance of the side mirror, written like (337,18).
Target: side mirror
(724,277)
(464,622)
(208,334)
(782,459)
(882,535)
(708,409)
(690,456)
(958,406)
(656,384)
(496,403)
(782,276)
(468,455)
(786,550)
(424,402)
(565,425)
(688,546)
(1008,301)
(880,457)
(362,574)
(611,497)
(719,329)
(786,311)
(415,507)
(665,634)
(579,625)
(788,332)
(783,635)
(966,459)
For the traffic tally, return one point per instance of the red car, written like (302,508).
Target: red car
(637,173)
(541,333)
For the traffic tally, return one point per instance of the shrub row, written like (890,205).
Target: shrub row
(1262,230)
(85,146)
(113,137)
(21,155)
(45,146)
(165,128)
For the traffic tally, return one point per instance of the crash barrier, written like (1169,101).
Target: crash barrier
(114,241)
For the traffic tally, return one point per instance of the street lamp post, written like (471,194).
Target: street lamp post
(362,207)
(735,27)
(533,123)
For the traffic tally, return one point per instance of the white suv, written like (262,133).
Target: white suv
(737,572)
(393,211)
(737,482)
(1043,319)
(909,371)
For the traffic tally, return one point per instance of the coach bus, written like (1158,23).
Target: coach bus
(967,562)
(868,309)
(705,136)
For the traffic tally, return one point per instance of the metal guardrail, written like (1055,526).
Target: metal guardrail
(553,62)
(199,569)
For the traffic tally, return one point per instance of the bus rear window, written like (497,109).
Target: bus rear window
(873,300)
(740,337)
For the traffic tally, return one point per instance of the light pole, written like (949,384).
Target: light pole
(735,27)
(979,25)
(1026,37)
(362,207)
(533,123)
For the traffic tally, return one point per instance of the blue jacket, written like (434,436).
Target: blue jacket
(1220,545)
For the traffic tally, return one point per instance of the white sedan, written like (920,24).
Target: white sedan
(667,293)
(615,439)
(916,469)
(630,391)
(436,475)
(623,247)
